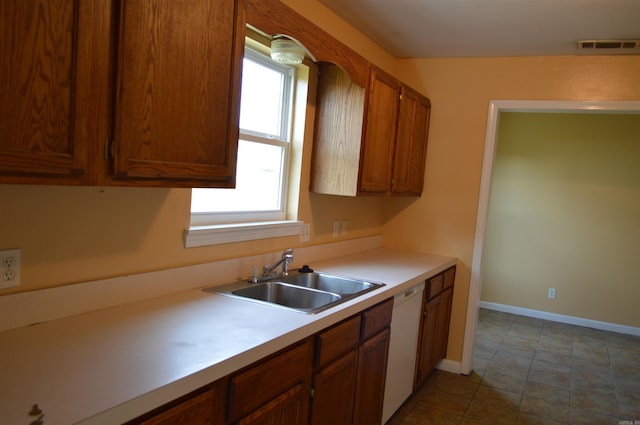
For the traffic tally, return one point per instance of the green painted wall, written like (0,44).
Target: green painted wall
(564,212)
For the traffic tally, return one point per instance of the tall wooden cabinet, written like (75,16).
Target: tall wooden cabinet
(114,92)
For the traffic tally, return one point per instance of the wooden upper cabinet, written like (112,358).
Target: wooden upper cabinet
(411,143)
(383,97)
(177,96)
(371,140)
(338,132)
(368,141)
(44,85)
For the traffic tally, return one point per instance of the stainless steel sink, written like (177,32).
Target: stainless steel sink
(303,292)
(291,296)
(336,284)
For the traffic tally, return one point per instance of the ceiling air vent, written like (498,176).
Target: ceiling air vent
(609,44)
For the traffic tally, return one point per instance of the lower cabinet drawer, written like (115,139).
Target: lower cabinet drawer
(434,286)
(202,407)
(337,341)
(376,319)
(278,378)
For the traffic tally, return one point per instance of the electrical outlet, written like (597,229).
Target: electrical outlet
(305,233)
(336,228)
(10,267)
(552,294)
(345,223)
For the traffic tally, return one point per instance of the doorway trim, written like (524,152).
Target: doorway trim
(491,141)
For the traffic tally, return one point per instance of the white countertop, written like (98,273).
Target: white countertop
(112,365)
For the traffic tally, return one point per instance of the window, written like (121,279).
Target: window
(264,149)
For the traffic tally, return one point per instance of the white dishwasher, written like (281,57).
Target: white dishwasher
(405,327)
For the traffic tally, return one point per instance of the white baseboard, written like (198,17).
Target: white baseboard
(571,320)
(450,366)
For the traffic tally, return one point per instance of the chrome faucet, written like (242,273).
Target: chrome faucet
(268,271)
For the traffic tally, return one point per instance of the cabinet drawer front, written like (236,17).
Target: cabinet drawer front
(449,277)
(337,341)
(195,411)
(434,286)
(287,408)
(376,319)
(269,379)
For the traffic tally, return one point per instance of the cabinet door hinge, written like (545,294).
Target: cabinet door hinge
(313,392)
(108,149)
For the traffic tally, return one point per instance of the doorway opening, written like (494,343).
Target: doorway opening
(493,123)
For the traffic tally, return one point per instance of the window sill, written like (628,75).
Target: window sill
(227,233)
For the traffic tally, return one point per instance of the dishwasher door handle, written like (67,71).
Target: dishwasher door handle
(410,293)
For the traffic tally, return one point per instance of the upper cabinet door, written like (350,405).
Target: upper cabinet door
(178,92)
(43,78)
(379,133)
(411,143)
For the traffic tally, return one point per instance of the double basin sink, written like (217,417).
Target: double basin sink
(303,292)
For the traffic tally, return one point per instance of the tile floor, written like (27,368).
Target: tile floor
(531,372)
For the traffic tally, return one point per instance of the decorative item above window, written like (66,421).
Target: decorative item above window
(288,50)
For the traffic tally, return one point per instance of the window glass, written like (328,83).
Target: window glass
(257,185)
(262,102)
(263,148)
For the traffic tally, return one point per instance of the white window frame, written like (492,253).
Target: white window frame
(224,227)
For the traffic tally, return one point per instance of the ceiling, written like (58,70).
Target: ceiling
(472,28)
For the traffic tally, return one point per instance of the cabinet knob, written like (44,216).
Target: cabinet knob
(35,410)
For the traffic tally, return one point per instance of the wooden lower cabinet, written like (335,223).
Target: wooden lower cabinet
(202,407)
(434,329)
(350,390)
(287,408)
(335,373)
(351,369)
(372,367)
(275,391)
(330,405)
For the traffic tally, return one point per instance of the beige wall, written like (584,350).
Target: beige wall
(443,219)
(564,212)
(76,234)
